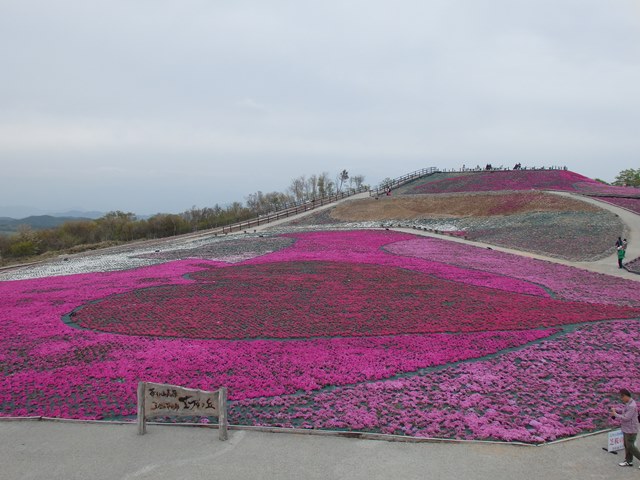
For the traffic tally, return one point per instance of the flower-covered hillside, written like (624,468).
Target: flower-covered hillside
(539,222)
(358,330)
(499,180)
(632,204)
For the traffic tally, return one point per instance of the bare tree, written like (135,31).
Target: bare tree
(276,201)
(358,180)
(296,188)
(342,177)
(256,202)
(311,187)
(323,184)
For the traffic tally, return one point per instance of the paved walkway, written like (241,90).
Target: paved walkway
(632,222)
(52,451)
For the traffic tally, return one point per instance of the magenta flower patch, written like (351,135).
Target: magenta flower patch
(312,299)
(523,180)
(366,330)
(632,204)
(548,390)
(565,282)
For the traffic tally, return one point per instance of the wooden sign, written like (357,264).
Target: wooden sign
(161,400)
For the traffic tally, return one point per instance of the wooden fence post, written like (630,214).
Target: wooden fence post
(142,427)
(222,413)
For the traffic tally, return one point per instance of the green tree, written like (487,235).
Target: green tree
(25,243)
(117,226)
(5,243)
(81,231)
(23,248)
(629,178)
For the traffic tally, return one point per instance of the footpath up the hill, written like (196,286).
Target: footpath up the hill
(607,265)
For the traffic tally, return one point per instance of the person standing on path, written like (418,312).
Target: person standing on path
(629,426)
(621,253)
(618,242)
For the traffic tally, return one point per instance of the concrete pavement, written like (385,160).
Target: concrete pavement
(68,451)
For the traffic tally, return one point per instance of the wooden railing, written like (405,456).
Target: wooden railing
(379,190)
(397,182)
(290,211)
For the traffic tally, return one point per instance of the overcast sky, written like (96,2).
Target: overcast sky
(157,105)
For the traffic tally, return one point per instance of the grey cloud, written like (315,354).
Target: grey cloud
(165,96)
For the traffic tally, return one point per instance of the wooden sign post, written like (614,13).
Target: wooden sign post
(161,400)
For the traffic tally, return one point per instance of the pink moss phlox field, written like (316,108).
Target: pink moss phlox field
(365,247)
(633,265)
(334,299)
(544,391)
(523,180)
(528,391)
(99,372)
(567,283)
(52,369)
(632,204)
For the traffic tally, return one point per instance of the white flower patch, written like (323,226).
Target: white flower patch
(231,249)
(77,264)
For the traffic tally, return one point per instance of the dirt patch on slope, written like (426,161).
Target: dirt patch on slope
(455,205)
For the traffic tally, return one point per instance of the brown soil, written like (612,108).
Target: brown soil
(455,205)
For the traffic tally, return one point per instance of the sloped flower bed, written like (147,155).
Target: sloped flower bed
(632,204)
(539,222)
(521,180)
(312,299)
(565,282)
(577,236)
(540,393)
(633,265)
(135,255)
(379,340)
(228,250)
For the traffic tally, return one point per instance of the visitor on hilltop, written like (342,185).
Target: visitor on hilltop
(629,425)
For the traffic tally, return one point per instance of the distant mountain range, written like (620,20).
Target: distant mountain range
(78,214)
(37,222)
(24,211)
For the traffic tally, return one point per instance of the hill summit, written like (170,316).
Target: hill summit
(501,180)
